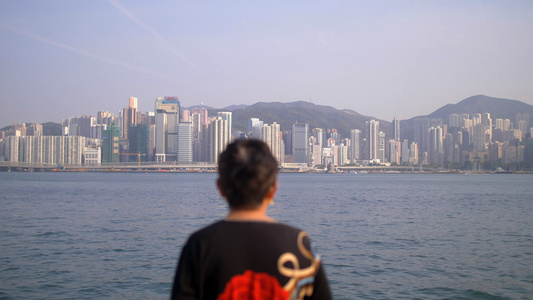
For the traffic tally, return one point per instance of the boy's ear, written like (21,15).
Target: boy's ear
(219,186)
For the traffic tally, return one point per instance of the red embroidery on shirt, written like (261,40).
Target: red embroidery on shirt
(253,286)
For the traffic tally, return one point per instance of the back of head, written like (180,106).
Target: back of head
(247,170)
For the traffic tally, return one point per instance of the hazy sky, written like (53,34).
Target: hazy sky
(380,58)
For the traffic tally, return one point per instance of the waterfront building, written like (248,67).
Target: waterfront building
(300,133)
(226,116)
(342,154)
(372,128)
(495,151)
(138,141)
(421,133)
(271,135)
(93,156)
(45,149)
(130,117)
(316,156)
(185,142)
(111,144)
(413,154)
(167,111)
(213,139)
(394,151)
(355,145)
(152,132)
(405,152)
(436,147)
(509,154)
(381,147)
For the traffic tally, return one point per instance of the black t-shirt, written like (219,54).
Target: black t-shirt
(231,259)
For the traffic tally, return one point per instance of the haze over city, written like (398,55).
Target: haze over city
(383,59)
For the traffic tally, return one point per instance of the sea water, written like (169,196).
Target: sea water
(380,236)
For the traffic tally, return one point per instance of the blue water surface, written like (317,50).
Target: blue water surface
(381,236)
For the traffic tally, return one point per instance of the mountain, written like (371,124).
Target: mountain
(235,107)
(286,114)
(497,107)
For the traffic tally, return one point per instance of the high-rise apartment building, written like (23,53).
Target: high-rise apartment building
(396,129)
(372,128)
(436,145)
(381,147)
(204,116)
(454,121)
(413,154)
(185,142)
(226,116)
(213,139)
(318,133)
(355,145)
(105,117)
(405,152)
(186,116)
(78,126)
(271,135)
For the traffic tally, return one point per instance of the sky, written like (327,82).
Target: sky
(383,59)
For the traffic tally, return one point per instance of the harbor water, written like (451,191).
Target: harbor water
(381,236)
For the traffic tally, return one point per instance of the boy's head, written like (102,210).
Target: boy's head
(247,171)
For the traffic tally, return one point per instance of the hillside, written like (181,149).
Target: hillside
(497,107)
(286,114)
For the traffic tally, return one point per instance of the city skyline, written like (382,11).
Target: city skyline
(172,133)
(379,59)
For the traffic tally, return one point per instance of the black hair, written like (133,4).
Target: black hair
(247,171)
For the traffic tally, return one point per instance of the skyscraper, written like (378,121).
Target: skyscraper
(271,135)
(185,142)
(300,134)
(396,129)
(421,127)
(110,144)
(213,140)
(167,111)
(138,137)
(226,138)
(372,138)
(355,145)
